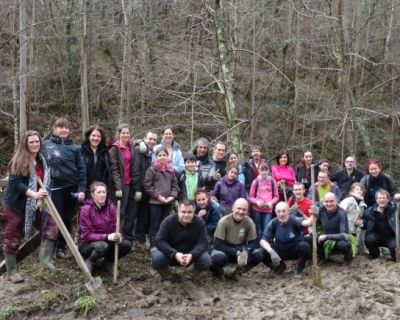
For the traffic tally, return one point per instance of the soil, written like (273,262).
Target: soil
(364,290)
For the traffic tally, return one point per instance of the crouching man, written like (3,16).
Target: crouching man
(283,240)
(181,241)
(235,241)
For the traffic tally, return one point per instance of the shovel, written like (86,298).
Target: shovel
(115,278)
(315,269)
(94,285)
(397,250)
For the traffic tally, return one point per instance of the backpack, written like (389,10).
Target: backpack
(272,187)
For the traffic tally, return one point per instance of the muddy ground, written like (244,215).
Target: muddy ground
(365,290)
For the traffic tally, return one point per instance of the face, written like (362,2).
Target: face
(349,163)
(233,159)
(282,212)
(99,195)
(330,203)
(125,135)
(190,165)
(62,132)
(358,192)
(322,178)
(374,170)
(307,157)
(202,200)
(202,149)
(382,200)
(162,157)
(256,154)
(168,136)
(33,143)
(324,166)
(150,140)
(239,209)
(185,214)
(95,138)
(298,191)
(283,160)
(219,152)
(264,173)
(232,174)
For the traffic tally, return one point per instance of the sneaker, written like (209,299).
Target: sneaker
(280,269)
(298,274)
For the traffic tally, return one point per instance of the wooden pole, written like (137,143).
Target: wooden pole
(315,270)
(115,278)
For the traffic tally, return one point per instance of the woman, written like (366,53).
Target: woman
(233,158)
(121,158)
(21,204)
(303,171)
(173,148)
(68,175)
(96,157)
(161,184)
(376,179)
(97,226)
(228,189)
(208,210)
(284,175)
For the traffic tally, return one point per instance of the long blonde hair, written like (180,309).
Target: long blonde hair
(20,162)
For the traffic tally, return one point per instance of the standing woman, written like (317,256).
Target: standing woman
(96,156)
(283,174)
(376,179)
(21,209)
(232,158)
(161,184)
(121,160)
(68,175)
(174,150)
(303,171)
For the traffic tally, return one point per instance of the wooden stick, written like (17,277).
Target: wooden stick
(284,192)
(115,278)
(397,251)
(315,270)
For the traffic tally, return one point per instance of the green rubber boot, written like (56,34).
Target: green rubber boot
(11,266)
(45,254)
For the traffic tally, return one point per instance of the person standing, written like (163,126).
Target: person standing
(232,158)
(190,180)
(21,204)
(284,175)
(68,175)
(303,170)
(251,167)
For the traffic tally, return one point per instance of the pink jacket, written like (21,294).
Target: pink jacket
(284,173)
(264,193)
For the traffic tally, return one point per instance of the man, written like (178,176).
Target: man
(335,229)
(205,165)
(235,242)
(322,187)
(283,240)
(218,157)
(251,167)
(379,221)
(299,204)
(141,212)
(181,241)
(346,177)
(208,210)
(189,180)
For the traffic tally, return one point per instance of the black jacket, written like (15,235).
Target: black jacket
(344,182)
(371,213)
(140,163)
(182,185)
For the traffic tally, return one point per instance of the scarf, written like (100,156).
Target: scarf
(32,204)
(164,167)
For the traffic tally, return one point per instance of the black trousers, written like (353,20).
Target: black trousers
(375,240)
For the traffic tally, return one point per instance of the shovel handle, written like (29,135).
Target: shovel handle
(116,252)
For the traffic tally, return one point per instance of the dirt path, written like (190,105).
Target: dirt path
(365,290)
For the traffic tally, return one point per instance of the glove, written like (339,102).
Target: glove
(138,196)
(118,193)
(314,210)
(242,258)
(142,147)
(216,175)
(114,237)
(293,209)
(275,258)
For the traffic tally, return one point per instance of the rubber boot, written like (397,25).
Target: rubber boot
(45,254)
(108,266)
(190,273)
(166,276)
(11,267)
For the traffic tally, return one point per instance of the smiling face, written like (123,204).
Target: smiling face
(162,157)
(308,158)
(298,191)
(282,212)
(33,144)
(190,165)
(62,132)
(374,170)
(239,209)
(323,178)
(233,159)
(150,140)
(349,163)
(95,138)
(329,202)
(202,149)
(99,195)
(232,174)
(283,160)
(202,200)
(168,136)
(124,136)
(219,152)
(382,199)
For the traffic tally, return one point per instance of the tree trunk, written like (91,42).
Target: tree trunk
(84,79)
(22,67)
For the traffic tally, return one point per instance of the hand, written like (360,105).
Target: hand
(397,197)
(293,209)
(114,237)
(81,196)
(260,204)
(314,210)
(162,199)
(275,258)
(359,222)
(268,205)
(180,257)
(169,199)
(202,213)
(187,258)
(216,175)
(242,257)
(321,238)
(118,193)
(138,196)
(142,147)
(39,195)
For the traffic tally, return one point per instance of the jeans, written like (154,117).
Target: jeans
(220,259)
(261,219)
(161,261)
(128,214)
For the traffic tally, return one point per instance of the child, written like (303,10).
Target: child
(161,184)
(263,195)
(189,180)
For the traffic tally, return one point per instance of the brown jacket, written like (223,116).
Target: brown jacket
(157,182)
(117,168)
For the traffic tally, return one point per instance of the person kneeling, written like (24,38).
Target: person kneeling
(181,241)
(283,240)
(97,224)
(235,241)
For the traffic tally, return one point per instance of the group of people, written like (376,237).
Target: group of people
(229,216)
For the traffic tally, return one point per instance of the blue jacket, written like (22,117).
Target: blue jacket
(177,157)
(211,218)
(67,167)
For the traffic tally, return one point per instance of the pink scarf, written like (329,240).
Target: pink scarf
(163,167)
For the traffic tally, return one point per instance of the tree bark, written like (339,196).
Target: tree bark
(22,66)
(84,71)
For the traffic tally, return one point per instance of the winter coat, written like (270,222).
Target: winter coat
(303,175)
(117,167)
(354,209)
(211,218)
(372,185)
(227,192)
(332,188)
(177,157)
(140,164)
(265,191)
(182,185)
(344,181)
(286,173)
(370,217)
(250,172)
(158,182)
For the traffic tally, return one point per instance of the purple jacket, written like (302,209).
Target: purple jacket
(227,192)
(95,224)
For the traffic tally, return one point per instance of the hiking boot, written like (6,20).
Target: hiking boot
(346,263)
(166,276)
(230,272)
(45,254)
(190,273)
(108,266)
(11,267)
(217,273)
(89,265)
(281,268)
(61,254)
(298,274)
